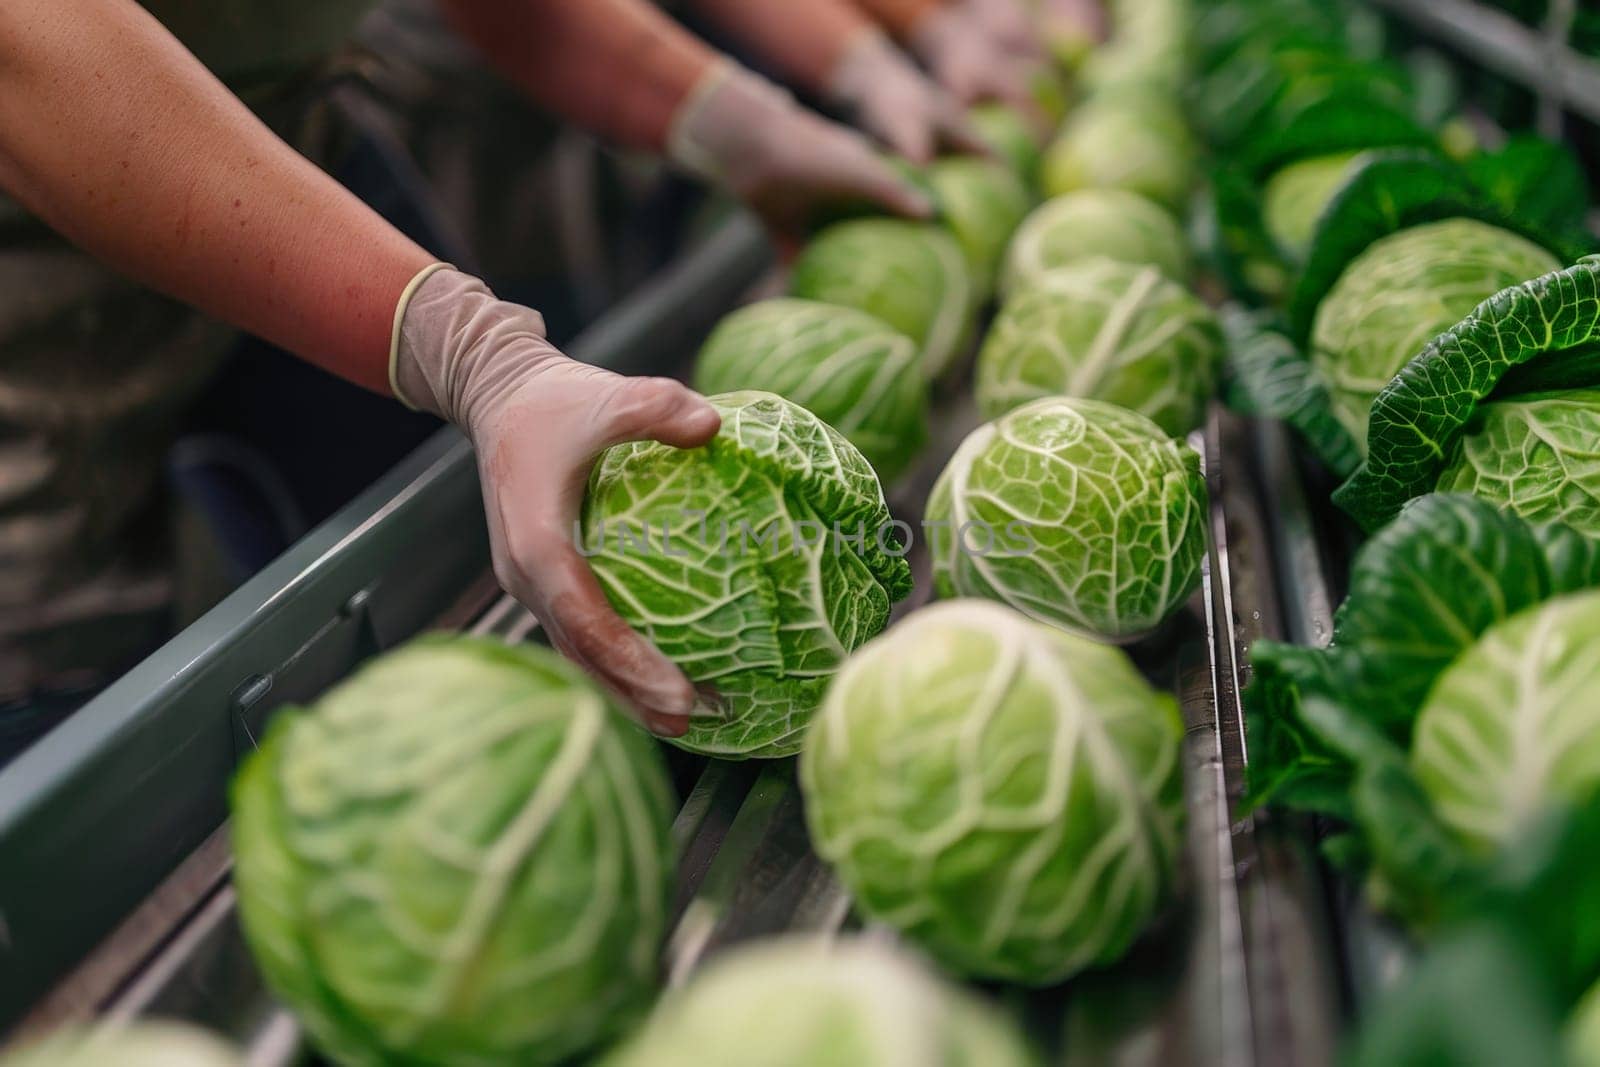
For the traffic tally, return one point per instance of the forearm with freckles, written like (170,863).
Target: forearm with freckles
(898,17)
(803,41)
(618,67)
(120,140)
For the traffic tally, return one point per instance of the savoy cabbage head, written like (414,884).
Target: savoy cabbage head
(1008,135)
(1454,714)
(1399,294)
(800,1001)
(912,275)
(1538,456)
(459,855)
(756,563)
(1075,512)
(1511,729)
(1500,403)
(1107,330)
(1422,591)
(1135,140)
(1106,223)
(852,371)
(1295,196)
(1007,795)
(982,203)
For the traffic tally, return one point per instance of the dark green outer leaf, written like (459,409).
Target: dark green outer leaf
(1475,1001)
(1417,864)
(1532,178)
(1383,194)
(1542,888)
(1421,414)
(1343,120)
(1393,190)
(1421,593)
(1239,246)
(1269,376)
(1429,584)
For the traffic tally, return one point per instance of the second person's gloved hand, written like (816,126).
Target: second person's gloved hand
(1009,23)
(785,162)
(895,101)
(538,421)
(970,64)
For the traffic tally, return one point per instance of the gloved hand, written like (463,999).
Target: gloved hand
(1072,27)
(1009,23)
(894,100)
(538,421)
(969,63)
(783,161)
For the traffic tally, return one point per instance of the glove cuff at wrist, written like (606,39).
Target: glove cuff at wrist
(458,346)
(400,308)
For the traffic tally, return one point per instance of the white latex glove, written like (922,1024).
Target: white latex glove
(538,421)
(1008,23)
(969,63)
(896,102)
(972,66)
(785,162)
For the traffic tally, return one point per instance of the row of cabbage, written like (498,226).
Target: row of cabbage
(463,854)
(430,877)
(1420,310)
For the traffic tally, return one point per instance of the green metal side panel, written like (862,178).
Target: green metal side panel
(105,806)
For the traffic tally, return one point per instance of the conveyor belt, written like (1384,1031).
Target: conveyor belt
(1238,974)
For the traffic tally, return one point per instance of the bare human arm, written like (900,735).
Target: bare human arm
(803,42)
(626,71)
(899,17)
(119,139)
(620,68)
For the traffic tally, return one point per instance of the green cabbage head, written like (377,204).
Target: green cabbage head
(1512,727)
(800,1001)
(1583,1031)
(757,563)
(1400,293)
(1537,456)
(140,1044)
(1009,137)
(1107,330)
(1075,512)
(982,203)
(1134,140)
(850,370)
(912,275)
(1007,795)
(1108,223)
(458,855)
(1294,197)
